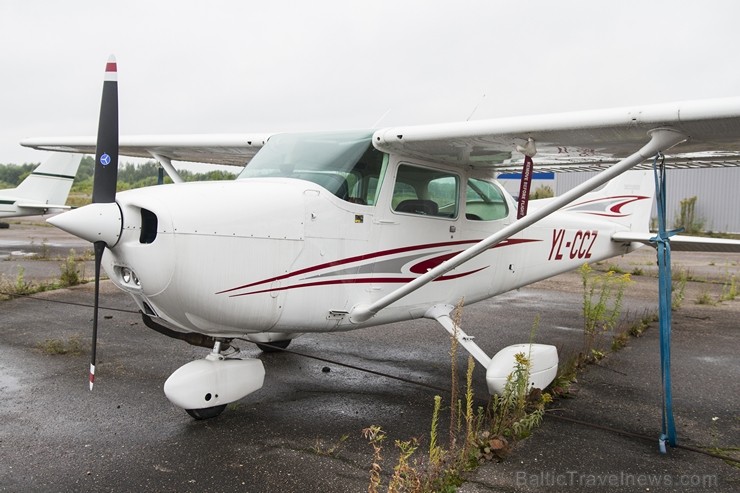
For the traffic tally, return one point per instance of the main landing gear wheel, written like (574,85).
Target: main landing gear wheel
(206,412)
(278,345)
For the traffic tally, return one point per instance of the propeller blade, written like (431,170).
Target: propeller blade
(105,179)
(99,247)
(106,151)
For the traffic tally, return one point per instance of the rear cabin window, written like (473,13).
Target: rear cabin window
(484,201)
(425,192)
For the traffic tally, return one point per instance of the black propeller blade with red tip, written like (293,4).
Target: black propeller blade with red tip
(105,178)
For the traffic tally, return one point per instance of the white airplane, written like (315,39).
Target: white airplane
(45,189)
(338,231)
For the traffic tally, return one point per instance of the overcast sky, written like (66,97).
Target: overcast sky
(262,66)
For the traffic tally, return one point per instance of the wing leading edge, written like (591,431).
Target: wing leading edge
(233,149)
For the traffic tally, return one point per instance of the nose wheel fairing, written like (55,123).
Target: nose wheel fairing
(213,382)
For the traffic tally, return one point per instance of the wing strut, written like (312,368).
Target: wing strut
(442,314)
(661,139)
(167,165)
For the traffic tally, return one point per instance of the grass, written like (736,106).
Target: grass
(687,219)
(596,294)
(636,329)
(568,370)
(678,288)
(705,299)
(479,436)
(475,434)
(72,273)
(602,305)
(330,449)
(55,347)
(729,289)
(489,434)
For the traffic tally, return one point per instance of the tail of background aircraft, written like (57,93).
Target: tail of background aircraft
(47,187)
(626,200)
(51,181)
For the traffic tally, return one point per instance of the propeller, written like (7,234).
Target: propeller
(101,222)
(105,178)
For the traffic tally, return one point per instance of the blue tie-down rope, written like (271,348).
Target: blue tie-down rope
(663,245)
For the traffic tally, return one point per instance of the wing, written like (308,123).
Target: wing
(580,141)
(234,149)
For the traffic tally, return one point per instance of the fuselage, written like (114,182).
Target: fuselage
(295,253)
(8,207)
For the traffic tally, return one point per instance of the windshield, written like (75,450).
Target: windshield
(345,163)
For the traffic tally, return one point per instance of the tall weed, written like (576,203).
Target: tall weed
(475,435)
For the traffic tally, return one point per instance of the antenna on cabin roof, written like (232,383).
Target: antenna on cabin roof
(377,123)
(476,107)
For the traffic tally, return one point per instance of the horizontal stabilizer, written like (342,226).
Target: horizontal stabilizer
(681,243)
(39,205)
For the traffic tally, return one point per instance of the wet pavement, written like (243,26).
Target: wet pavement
(302,431)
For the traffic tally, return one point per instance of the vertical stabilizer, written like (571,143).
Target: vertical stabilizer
(51,181)
(626,200)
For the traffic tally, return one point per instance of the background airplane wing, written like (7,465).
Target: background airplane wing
(234,149)
(578,141)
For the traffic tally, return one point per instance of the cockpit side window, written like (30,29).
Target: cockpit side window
(364,178)
(484,201)
(425,192)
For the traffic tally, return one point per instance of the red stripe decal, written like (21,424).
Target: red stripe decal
(350,260)
(367,256)
(429,264)
(379,280)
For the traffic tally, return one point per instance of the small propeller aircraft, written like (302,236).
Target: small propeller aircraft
(45,189)
(337,231)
